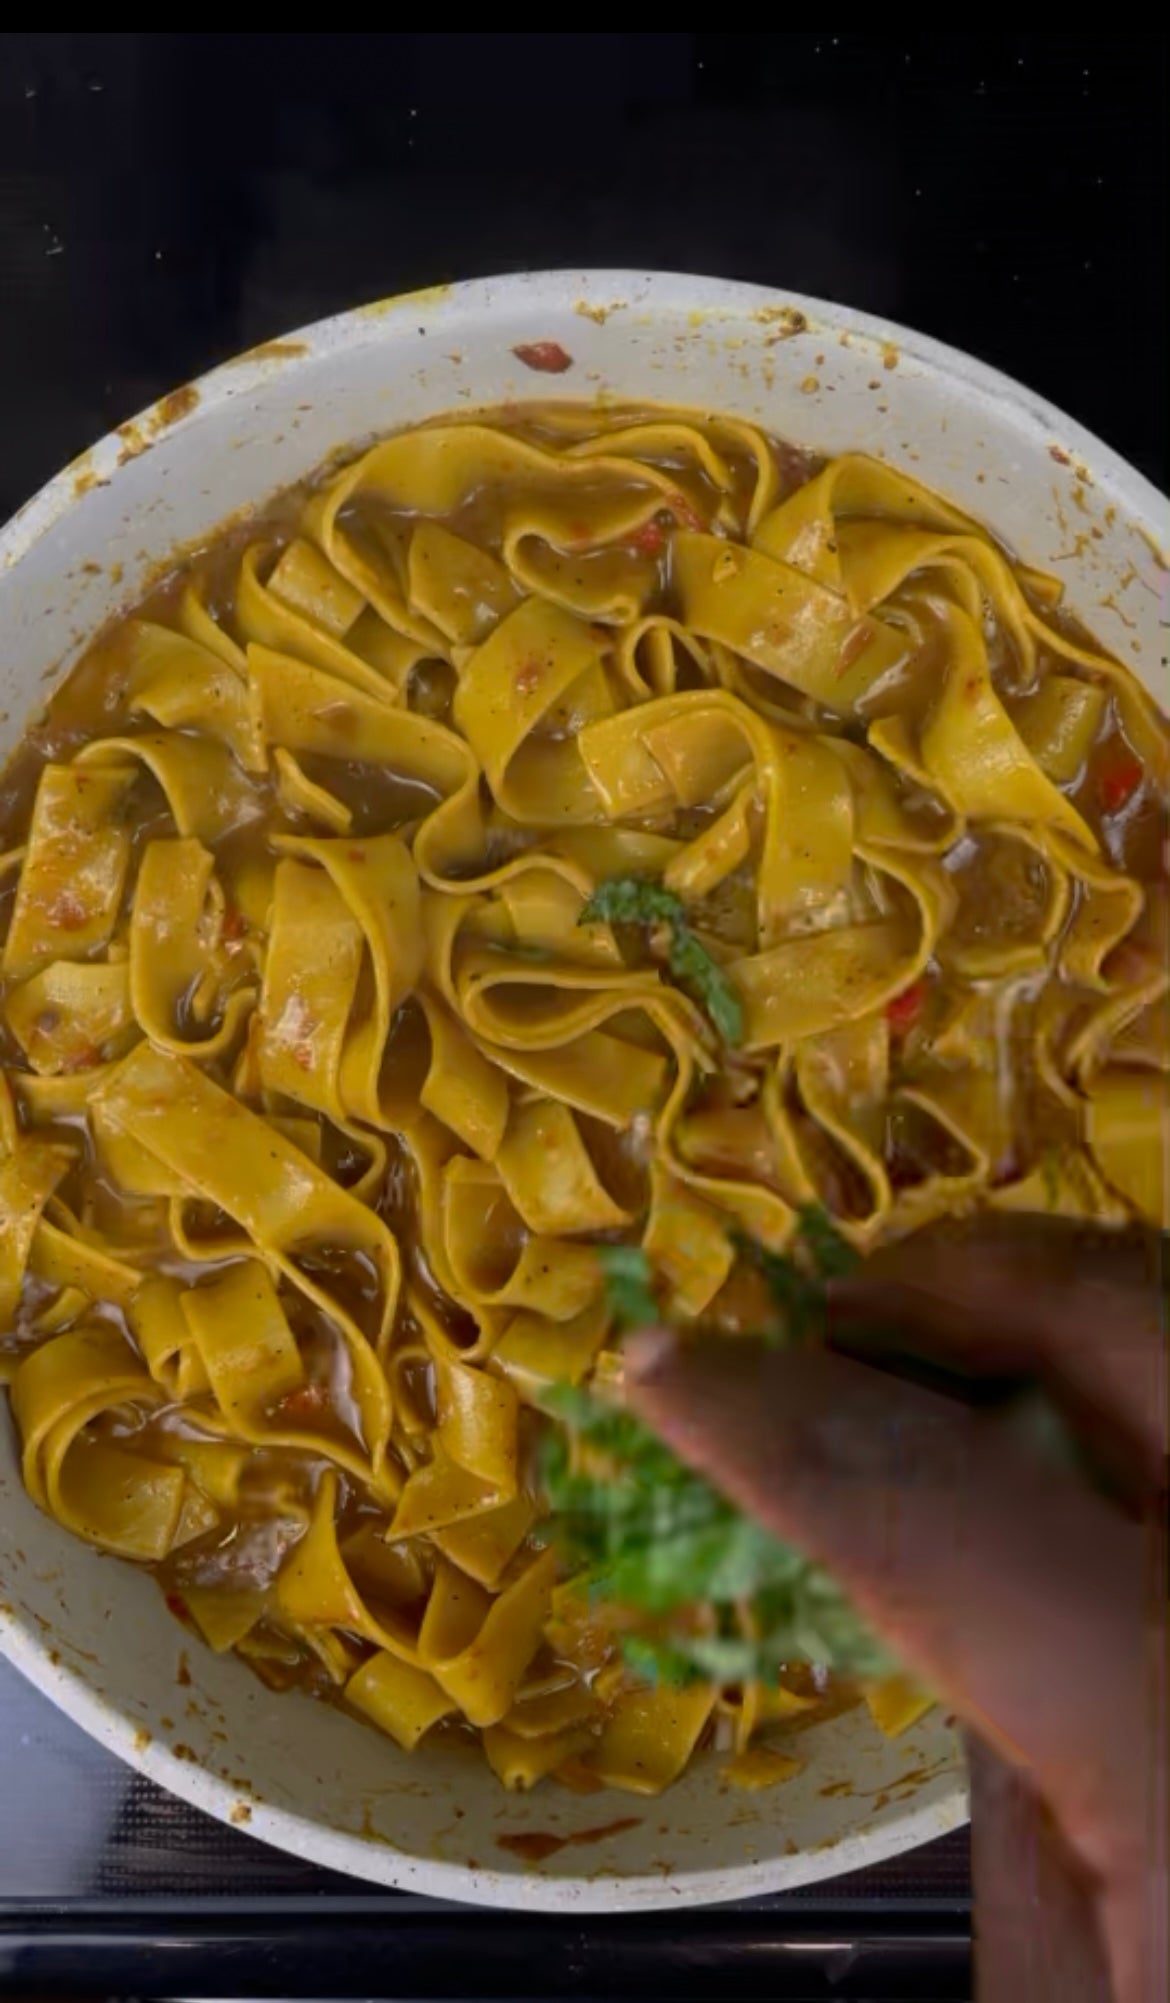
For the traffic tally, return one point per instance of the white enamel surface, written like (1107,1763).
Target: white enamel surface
(92,1633)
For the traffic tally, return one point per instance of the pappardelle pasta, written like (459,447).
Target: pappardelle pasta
(318,1094)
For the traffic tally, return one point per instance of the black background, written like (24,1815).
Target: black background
(168,199)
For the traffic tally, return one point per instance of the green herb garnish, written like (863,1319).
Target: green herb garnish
(796,1279)
(631,900)
(629,1286)
(1050,1167)
(829,1253)
(657,1541)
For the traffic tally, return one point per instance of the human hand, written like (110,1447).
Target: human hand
(1029,1600)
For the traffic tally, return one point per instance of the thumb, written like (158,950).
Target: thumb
(1011,1587)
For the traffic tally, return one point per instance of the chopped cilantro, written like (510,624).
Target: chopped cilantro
(628,1284)
(630,900)
(656,1540)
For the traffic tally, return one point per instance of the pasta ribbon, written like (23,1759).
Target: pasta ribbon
(306,608)
(495,1262)
(180,973)
(305,710)
(70,883)
(29,1174)
(478,1648)
(401,1700)
(205,791)
(290,1210)
(549,1177)
(649,1736)
(1127,1124)
(461,589)
(819,980)
(377,883)
(73,1015)
(521,700)
(687,749)
(781,620)
(973,753)
(110,1497)
(181,683)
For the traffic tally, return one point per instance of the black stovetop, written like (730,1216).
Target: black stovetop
(168,199)
(108,1885)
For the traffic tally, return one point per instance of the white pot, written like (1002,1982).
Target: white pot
(93,1633)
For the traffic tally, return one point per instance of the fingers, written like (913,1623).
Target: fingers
(1081,1309)
(1037,1930)
(1044,1929)
(1015,1591)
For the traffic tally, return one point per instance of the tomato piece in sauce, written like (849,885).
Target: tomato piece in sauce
(548,357)
(308,1401)
(903,1012)
(1119,781)
(650,539)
